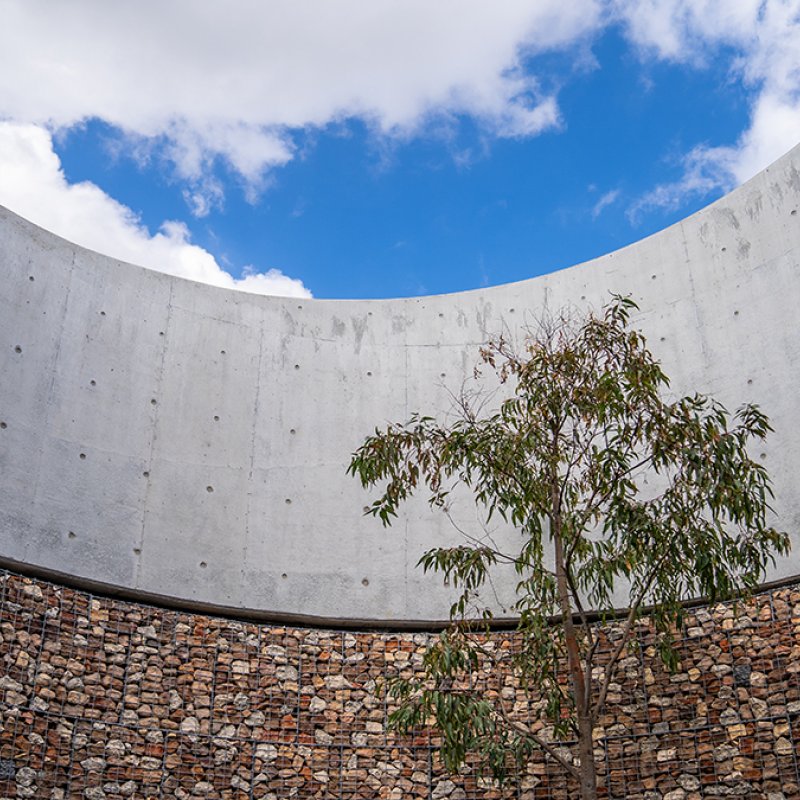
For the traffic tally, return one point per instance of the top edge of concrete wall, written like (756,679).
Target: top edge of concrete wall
(181,440)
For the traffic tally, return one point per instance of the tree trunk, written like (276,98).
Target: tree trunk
(588,772)
(588,768)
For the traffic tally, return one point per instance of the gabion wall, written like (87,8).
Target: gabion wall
(101,698)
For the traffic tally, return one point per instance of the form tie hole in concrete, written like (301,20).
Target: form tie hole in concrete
(102,313)
(216,418)
(71,535)
(749,381)
(297,366)
(763,455)
(653,277)
(369,374)
(288,501)
(663,339)
(203,565)
(209,489)
(82,456)
(735,313)
(153,401)
(365,581)
(161,333)
(442,375)
(724,249)
(510,310)
(92,383)
(137,551)
(222,352)
(292,431)
(145,474)
(30,278)
(3,426)
(365,509)
(17,349)
(441,315)
(794,214)
(284,576)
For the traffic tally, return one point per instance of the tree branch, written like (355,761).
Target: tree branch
(538,741)
(626,632)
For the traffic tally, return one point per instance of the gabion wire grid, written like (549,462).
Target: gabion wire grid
(102,698)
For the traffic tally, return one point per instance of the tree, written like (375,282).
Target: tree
(613,487)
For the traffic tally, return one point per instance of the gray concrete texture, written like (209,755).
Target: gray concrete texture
(175,438)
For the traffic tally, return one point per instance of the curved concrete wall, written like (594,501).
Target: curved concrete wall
(175,438)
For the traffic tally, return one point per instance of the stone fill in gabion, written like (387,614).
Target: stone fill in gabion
(101,698)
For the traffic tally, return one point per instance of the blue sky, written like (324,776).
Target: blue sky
(420,148)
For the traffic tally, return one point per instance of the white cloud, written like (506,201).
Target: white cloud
(33,185)
(202,82)
(233,80)
(203,196)
(605,200)
(765,36)
(704,170)
(683,30)
(774,129)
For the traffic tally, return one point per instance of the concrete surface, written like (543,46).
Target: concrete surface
(189,441)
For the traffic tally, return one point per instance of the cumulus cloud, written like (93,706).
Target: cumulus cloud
(682,30)
(33,184)
(204,84)
(764,35)
(233,80)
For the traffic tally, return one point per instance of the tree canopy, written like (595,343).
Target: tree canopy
(613,487)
